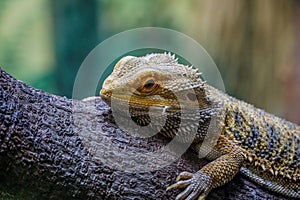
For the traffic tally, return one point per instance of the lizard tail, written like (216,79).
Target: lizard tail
(283,186)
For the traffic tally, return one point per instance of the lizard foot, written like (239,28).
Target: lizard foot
(196,185)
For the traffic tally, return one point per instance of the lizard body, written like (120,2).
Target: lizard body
(260,145)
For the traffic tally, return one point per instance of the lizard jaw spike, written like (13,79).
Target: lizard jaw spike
(281,173)
(272,171)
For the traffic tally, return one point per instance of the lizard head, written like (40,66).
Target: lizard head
(151,89)
(154,80)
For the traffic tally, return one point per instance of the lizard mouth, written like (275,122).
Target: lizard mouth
(140,108)
(122,98)
(106,96)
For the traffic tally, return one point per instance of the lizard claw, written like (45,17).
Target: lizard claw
(196,185)
(184,176)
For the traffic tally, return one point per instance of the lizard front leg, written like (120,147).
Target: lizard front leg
(228,161)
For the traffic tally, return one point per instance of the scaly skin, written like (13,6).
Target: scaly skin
(261,146)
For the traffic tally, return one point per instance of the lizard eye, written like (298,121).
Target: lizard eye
(149,86)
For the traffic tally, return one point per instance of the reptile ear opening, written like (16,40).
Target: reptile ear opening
(191,96)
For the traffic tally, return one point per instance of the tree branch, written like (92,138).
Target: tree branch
(62,148)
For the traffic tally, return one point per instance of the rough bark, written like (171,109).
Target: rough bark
(58,148)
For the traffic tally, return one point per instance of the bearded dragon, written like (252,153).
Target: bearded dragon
(263,147)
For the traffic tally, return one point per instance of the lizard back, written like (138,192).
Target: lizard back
(271,144)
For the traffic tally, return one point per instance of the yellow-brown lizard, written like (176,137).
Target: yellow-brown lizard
(261,146)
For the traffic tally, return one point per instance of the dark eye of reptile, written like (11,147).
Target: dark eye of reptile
(149,84)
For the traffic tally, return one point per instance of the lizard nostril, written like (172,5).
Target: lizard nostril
(104,92)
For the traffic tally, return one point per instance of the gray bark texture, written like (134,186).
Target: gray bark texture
(60,148)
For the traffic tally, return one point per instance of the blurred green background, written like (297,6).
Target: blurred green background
(254,43)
